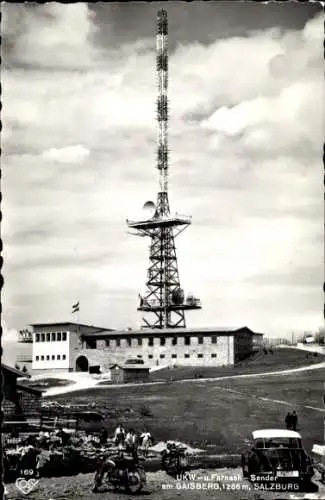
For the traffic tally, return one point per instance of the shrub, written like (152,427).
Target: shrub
(145,411)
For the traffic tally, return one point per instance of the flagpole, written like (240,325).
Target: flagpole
(76,309)
(78,317)
(78,312)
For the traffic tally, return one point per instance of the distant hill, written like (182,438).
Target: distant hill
(13,350)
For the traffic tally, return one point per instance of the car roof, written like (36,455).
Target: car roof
(275,433)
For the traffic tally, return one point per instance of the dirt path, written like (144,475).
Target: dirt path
(83,386)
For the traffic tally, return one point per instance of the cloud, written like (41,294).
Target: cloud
(69,154)
(48,36)
(79,149)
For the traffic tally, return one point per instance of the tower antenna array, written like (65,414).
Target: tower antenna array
(164,300)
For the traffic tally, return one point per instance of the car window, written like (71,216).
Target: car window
(283,443)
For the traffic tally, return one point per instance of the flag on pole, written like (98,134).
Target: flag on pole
(75,308)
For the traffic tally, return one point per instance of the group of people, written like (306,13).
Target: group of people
(131,440)
(291,421)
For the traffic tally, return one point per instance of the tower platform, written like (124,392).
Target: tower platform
(158,222)
(154,305)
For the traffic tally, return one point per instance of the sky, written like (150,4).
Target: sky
(79,147)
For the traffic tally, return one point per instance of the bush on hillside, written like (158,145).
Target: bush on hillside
(145,412)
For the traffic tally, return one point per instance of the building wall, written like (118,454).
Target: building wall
(243,345)
(17,401)
(9,408)
(49,353)
(104,352)
(30,403)
(117,375)
(70,348)
(75,347)
(9,385)
(220,353)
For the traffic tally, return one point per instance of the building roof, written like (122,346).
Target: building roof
(18,373)
(130,367)
(275,433)
(68,323)
(33,390)
(173,332)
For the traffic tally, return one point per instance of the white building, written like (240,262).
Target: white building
(56,345)
(78,347)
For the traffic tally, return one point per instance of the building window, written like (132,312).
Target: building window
(187,340)
(200,355)
(150,356)
(42,337)
(91,344)
(163,341)
(150,342)
(63,356)
(174,356)
(200,339)
(64,336)
(213,355)
(47,358)
(174,341)
(162,356)
(139,356)
(214,339)
(37,337)
(37,358)
(58,356)
(129,342)
(48,337)
(53,357)
(186,355)
(118,342)
(59,336)
(42,358)
(140,341)
(107,342)
(53,336)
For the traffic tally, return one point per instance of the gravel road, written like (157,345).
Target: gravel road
(228,485)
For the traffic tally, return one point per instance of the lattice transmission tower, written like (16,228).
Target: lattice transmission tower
(164,301)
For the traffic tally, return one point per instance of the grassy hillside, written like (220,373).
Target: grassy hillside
(270,360)
(204,413)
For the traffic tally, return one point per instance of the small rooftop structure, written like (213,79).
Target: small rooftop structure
(128,373)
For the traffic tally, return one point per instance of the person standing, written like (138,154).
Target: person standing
(103,437)
(288,421)
(119,435)
(146,441)
(131,441)
(294,420)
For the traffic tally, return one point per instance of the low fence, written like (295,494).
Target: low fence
(55,422)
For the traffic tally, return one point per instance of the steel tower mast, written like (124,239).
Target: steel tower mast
(164,299)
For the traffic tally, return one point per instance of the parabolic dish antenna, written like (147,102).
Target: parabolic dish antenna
(149,208)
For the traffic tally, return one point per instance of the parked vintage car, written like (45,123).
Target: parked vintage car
(275,455)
